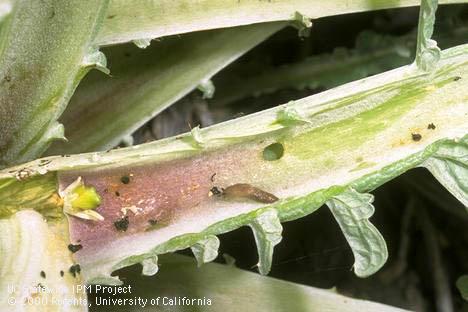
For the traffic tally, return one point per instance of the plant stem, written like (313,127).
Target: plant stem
(329,144)
(38,76)
(164,18)
(146,82)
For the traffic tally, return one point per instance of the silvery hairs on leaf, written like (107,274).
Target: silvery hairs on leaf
(150,266)
(352,211)
(206,250)
(449,165)
(267,232)
(427,51)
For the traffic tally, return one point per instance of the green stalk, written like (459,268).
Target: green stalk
(142,19)
(145,82)
(40,96)
(279,165)
(46,47)
(130,20)
(330,142)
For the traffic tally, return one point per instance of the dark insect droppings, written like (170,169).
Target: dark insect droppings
(61,273)
(416,137)
(125,179)
(75,269)
(43,275)
(122,224)
(74,248)
(431,126)
(117,194)
(216,190)
(456,78)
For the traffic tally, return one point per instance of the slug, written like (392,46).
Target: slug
(244,190)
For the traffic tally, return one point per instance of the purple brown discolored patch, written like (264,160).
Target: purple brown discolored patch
(154,195)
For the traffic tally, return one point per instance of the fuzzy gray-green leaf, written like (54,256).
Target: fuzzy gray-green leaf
(207,88)
(96,59)
(150,266)
(142,43)
(352,211)
(267,232)
(449,165)
(206,250)
(290,116)
(427,52)
(302,23)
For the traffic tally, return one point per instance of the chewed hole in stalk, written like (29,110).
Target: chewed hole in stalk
(273,152)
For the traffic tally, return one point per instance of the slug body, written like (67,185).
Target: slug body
(244,190)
